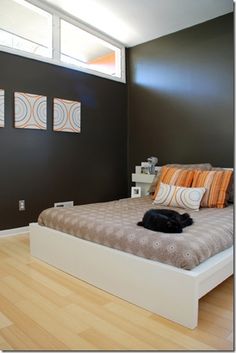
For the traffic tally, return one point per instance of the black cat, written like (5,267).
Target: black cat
(166,221)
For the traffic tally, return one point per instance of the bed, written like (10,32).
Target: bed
(164,273)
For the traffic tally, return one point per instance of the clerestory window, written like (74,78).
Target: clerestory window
(42,33)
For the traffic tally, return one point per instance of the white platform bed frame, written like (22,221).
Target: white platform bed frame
(165,290)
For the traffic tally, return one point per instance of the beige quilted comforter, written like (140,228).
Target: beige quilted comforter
(113,224)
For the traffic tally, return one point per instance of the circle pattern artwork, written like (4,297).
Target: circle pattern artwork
(30,111)
(66,115)
(40,110)
(176,196)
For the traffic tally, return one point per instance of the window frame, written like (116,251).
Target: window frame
(80,27)
(56,52)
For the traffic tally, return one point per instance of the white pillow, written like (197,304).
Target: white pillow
(178,196)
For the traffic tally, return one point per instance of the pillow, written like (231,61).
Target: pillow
(177,196)
(201,166)
(155,182)
(217,184)
(175,176)
(231,188)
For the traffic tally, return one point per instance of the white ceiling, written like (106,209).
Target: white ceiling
(133,22)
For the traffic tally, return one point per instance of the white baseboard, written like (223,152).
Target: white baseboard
(14,231)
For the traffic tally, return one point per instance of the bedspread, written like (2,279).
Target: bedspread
(113,224)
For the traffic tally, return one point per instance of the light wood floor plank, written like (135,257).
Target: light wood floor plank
(182,341)
(103,342)
(212,318)
(111,330)
(42,308)
(73,286)
(198,334)
(58,330)
(231,337)
(4,321)
(17,338)
(44,304)
(128,325)
(30,327)
(10,295)
(39,288)
(211,308)
(4,345)
(37,276)
(3,255)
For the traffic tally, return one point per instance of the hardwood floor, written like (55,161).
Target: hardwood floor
(42,308)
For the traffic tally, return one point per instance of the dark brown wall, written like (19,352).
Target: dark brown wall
(181,96)
(43,167)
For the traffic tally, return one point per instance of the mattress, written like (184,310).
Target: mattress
(113,224)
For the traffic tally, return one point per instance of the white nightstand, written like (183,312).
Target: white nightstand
(143,180)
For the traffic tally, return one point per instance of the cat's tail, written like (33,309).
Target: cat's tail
(140,224)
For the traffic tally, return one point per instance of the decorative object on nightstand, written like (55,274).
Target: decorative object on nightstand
(145,168)
(152,161)
(136,191)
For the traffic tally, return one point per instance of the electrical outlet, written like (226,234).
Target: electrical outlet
(64,204)
(21,205)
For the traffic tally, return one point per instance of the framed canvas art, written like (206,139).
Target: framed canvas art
(66,115)
(30,111)
(135,191)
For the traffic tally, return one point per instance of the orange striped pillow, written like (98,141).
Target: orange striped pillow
(174,176)
(217,184)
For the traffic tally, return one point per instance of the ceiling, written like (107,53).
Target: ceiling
(133,22)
